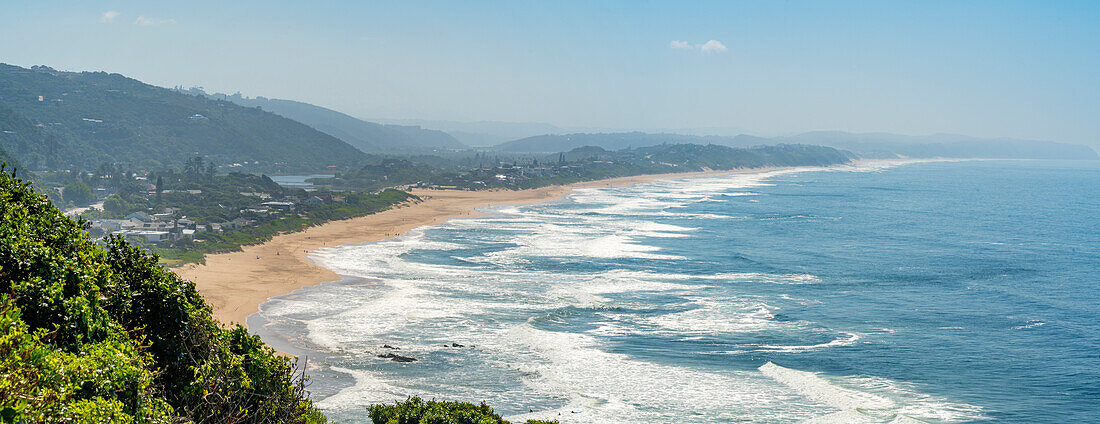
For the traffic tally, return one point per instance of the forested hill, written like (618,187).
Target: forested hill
(366,136)
(6,159)
(619,141)
(51,119)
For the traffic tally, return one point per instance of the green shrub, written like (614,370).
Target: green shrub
(104,334)
(415,410)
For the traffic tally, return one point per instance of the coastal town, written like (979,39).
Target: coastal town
(169,225)
(183,215)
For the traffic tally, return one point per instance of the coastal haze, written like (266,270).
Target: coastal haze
(571,212)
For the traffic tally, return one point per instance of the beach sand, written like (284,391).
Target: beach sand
(235,284)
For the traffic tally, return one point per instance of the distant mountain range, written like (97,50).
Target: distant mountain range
(366,136)
(875,145)
(489,133)
(52,119)
(56,120)
(881,145)
(619,141)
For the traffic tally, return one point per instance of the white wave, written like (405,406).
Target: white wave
(719,316)
(608,387)
(877,400)
(1030,324)
(814,387)
(367,389)
(568,242)
(766,278)
(848,340)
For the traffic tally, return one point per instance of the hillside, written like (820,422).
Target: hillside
(619,141)
(366,136)
(585,164)
(51,120)
(103,334)
(11,162)
(486,133)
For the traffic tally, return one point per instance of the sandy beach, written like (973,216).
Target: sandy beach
(235,284)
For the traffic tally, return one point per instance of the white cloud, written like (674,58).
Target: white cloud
(108,16)
(680,45)
(146,21)
(713,46)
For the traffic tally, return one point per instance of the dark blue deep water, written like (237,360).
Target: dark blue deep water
(921,292)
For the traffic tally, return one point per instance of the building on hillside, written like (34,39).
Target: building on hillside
(140,216)
(151,236)
(279,205)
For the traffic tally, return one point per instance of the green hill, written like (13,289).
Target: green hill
(366,136)
(51,120)
(619,141)
(103,334)
(11,162)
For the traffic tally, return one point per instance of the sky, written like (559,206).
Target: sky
(982,68)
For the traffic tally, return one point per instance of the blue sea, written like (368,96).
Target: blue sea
(884,292)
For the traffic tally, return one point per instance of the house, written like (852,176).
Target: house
(279,205)
(235,224)
(185,223)
(256,194)
(148,235)
(313,201)
(187,234)
(155,226)
(197,118)
(140,216)
(215,227)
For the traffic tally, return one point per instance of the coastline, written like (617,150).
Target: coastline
(237,283)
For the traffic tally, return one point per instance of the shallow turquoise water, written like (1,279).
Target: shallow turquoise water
(938,292)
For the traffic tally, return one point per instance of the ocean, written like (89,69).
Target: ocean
(884,292)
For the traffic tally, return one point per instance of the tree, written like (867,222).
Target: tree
(114,204)
(78,193)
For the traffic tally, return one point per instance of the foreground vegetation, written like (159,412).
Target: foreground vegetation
(97,334)
(415,410)
(103,334)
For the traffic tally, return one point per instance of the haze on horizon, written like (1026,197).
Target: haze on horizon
(987,69)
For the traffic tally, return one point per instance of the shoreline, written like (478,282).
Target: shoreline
(235,284)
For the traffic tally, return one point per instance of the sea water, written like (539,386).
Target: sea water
(881,293)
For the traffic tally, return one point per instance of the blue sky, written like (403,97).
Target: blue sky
(998,68)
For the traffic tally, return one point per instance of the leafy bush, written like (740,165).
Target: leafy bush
(104,334)
(415,410)
(78,193)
